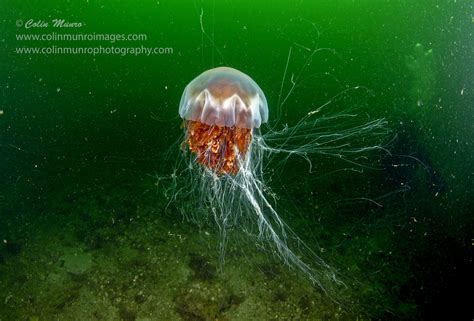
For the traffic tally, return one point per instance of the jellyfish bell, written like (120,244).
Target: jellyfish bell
(224,96)
(221,108)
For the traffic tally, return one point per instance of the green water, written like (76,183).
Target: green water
(88,234)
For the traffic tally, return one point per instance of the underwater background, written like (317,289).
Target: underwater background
(89,232)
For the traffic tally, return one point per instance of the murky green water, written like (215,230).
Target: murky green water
(89,233)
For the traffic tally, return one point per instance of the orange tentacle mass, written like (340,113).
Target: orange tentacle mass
(218,148)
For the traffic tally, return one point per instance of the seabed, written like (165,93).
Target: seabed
(111,252)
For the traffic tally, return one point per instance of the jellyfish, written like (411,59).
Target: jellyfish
(222,169)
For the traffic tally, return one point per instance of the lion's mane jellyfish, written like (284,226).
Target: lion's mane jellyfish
(225,158)
(221,107)
(222,110)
